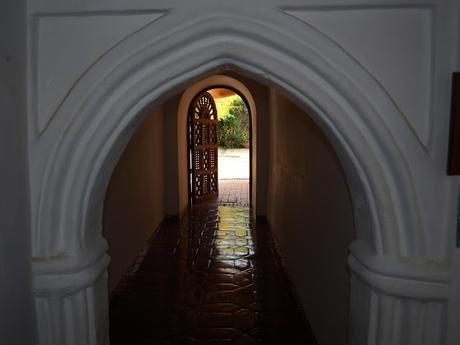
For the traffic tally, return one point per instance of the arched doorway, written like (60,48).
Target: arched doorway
(83,143)
(229,127)
(255,158)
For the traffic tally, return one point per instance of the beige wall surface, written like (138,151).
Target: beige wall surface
(134,205)
(173,205)
(310,211)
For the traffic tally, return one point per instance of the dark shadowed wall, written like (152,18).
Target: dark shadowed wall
(17,319)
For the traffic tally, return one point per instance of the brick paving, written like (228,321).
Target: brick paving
(234,192)
(213,277)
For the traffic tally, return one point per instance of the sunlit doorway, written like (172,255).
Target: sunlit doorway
(234,138)
(233,168)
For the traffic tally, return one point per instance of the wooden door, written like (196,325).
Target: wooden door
(203,148)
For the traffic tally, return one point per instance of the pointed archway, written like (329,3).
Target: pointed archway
(81,146)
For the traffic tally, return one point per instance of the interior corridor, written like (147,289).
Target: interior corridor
(212,278)
(211,274)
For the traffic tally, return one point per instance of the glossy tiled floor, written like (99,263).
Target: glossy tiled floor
(212,278)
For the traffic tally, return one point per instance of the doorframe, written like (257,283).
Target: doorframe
(246,102)
(211,80)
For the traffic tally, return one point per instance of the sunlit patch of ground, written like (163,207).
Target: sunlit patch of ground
(233,164)
(234,177)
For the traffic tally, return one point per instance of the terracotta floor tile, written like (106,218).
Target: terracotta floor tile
(212,278)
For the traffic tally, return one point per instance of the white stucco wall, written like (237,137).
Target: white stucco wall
(375,76)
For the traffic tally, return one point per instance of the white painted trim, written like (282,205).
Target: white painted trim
(62,284)
(395,278)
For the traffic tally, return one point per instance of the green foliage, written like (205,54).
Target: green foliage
(224,104)
(234,125)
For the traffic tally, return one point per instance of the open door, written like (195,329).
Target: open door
(202,127)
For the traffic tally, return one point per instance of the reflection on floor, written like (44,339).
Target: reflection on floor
(212,278)
(234,192)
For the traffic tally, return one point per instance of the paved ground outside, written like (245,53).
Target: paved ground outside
(234,177)
(234,192)
(233,164)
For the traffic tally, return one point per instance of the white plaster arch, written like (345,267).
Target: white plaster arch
(105,106)
(182,113)
(103,109)
(122,88)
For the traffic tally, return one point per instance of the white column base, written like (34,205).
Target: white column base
(72,308)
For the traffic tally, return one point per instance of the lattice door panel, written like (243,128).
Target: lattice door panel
(203,147)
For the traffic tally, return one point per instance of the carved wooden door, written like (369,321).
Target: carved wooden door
(203,148)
